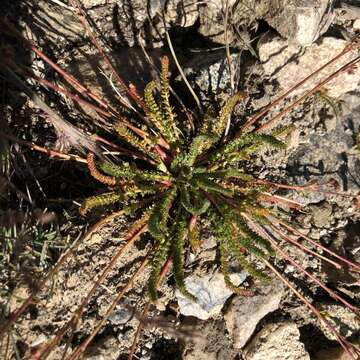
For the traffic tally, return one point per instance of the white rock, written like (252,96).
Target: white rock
(244,313)
(211,293)
(288,66)
(356,24)
(277,342)
(92,3)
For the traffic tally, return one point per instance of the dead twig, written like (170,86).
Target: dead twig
(67,133)
(182,74)
(49,152)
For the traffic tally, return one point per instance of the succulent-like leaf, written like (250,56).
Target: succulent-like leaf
(160,214)
(228,173)
(99,200)
(224,255)
(194,202)
(180,233)
(220,126)
(225,234)
(168,114)
(209,185)
(157,262)
(245,141)
(199,145)
(128,172)
(131,138)
(154,113)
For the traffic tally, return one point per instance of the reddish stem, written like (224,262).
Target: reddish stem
(300,268)
(299,245)
(276,199)
(130,238)
(71,79)
(165,158)
(49,152)
(163,273)
(297,232)
(83,346)
(348,347)
(82,17)
(306,187)
(343,342)
(252,120)
(68,94)
(308,93)
(18,312)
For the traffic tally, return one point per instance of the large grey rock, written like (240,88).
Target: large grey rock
(211,293)
(277,342)
(244,313)
(328,155)
(289,64)
(302,21)
(119,22)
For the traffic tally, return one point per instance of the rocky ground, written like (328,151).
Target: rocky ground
(273,45)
